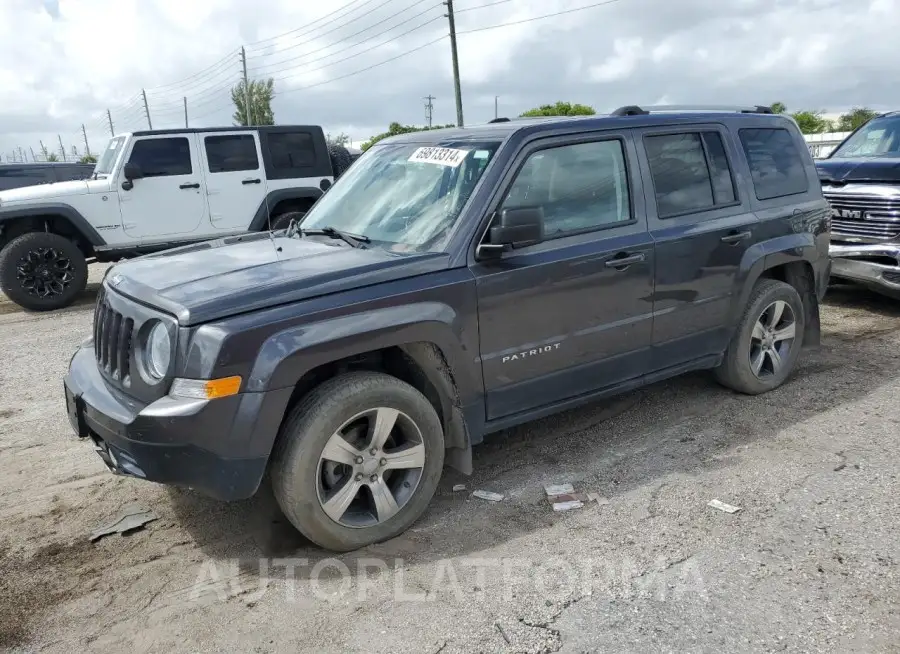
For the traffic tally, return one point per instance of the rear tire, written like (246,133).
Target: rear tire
(41,271)
(341,485)
(283,220)
(767,343)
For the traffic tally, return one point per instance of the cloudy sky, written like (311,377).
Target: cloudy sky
(63,63)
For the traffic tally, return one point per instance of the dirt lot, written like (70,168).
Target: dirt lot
(810,563)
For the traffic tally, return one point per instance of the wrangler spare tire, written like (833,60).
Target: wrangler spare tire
(340,159)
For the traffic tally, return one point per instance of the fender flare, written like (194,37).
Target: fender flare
(79,222)
(261,217)
(792,248)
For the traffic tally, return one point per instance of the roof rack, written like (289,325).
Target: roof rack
(498,120)
(634,110)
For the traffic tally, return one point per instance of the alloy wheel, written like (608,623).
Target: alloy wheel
(45,272)
(772,339)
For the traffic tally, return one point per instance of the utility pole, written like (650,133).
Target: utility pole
(44,151)
(249,114)
(33,158)
(429,109)
(185,113)
(87,148)
(496,98)
(112,131)
(22,156)
(146,109)
(62,148)
(453,53)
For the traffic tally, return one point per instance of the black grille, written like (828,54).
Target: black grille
(878,219)
(890,276)
(113,336)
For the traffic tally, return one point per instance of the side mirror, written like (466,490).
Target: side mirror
(515,228)
(132,171)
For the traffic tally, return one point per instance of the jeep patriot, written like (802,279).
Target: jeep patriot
(450,284)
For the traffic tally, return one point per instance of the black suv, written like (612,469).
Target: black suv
(454,283)
(19,175)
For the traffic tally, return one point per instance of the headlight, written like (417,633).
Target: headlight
(158,353)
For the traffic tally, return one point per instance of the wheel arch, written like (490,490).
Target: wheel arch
(280,201)
(788,259)
(59,219)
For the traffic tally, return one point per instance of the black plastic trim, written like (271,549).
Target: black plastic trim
(261,217)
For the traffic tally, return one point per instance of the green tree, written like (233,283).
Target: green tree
(778,107)
(396,128)
(52,156)
(559,109)
(88,158)
(261,93)
(855,118)
(340,139)
(812,122)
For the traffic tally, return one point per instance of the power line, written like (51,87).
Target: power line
(218,64)
(368,38)
(361,52)
(490,4)
(529,20)
(367,68)
(333,29)
(318,20)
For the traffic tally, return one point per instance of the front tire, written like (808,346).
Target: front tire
(358,460)
(41,271)
(767,342)
(283,220)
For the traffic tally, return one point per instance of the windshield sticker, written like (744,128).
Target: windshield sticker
(440,156)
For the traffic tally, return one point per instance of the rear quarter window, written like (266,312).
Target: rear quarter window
(776,164)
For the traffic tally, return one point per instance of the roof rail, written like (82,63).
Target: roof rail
(498,120)
(634,110)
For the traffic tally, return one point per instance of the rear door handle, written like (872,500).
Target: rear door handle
(194,185)
(621,262)
(251,181)
(736,238)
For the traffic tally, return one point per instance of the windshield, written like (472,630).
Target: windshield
(108,159)
(404,197)
(880,137)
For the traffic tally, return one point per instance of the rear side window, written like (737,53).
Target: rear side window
(291,150)
(690,172)
(775,163)
(231,153)
(163,157)
(18,177)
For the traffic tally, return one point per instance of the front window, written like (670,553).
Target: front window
(880,137)
(107,160)
(404,197)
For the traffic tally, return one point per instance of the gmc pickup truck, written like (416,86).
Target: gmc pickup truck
(453,283)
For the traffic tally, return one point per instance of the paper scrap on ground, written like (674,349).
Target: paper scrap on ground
(459,487)
(558,489)
(568,505)
(488,495)
(132,517)
(440,156)
(727,508)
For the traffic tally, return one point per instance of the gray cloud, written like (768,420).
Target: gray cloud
(819,54)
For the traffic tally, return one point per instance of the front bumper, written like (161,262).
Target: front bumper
(876,266)
(218,447)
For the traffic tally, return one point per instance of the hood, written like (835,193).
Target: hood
(44,191)
(859,169)
(216,279)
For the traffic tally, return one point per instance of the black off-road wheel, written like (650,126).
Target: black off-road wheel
(40,271)
(283,220)
(357,460)
(766,346)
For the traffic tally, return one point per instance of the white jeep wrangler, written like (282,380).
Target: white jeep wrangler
(154,190)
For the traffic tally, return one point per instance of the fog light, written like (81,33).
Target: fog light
(206,389)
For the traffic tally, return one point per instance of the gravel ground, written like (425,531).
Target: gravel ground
(810,563)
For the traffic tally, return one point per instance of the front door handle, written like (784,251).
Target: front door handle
(622,262)
(251,181)
(194,185)
(736,237)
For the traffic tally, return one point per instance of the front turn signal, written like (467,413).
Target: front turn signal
(206,389)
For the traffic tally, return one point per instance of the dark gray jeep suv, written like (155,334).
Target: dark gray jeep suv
(454,283)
